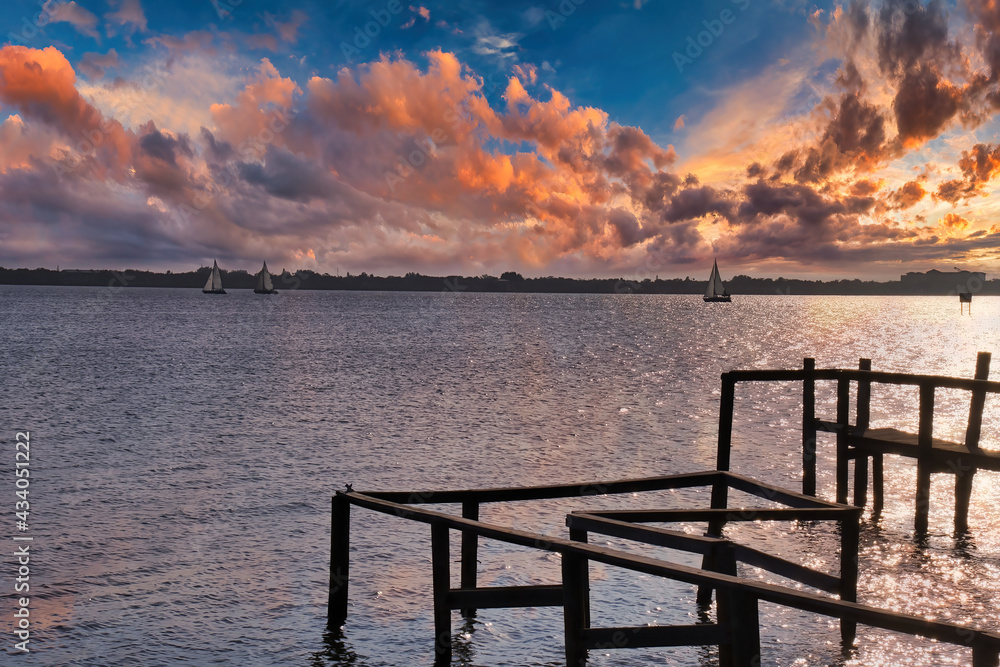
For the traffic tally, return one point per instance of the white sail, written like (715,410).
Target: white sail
(214,283)
(216,276)
(264,283)
(715,285)
(268,285)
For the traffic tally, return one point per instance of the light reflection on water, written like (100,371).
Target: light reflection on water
(185,448)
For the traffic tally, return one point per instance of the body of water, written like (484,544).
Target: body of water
(184,448)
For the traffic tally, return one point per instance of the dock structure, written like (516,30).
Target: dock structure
(736,626)
(860,443)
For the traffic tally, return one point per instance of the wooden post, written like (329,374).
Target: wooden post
(470,550)
(726,408)
(843,435)
(863,419)
(864,396)
(849,546)
(738,611)
(720,500)
(579,535)
(441,583)
(965,475)
(574,581)
(984,654)
(720,489)
(340,548)
(925,443)
(808,427)
(878,484)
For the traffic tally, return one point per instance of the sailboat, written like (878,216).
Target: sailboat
(716,288)
(214,284)
(264,284)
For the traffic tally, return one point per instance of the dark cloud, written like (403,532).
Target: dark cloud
(219,151)
(924,105)
(697,202)
(163,147)
(286,176)
(908,195)
(798,202)
(910,33)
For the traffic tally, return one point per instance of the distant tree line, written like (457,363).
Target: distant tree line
(509,281)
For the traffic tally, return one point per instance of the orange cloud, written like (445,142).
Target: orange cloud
(42,83)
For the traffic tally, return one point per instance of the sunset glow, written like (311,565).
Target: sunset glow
(581,139)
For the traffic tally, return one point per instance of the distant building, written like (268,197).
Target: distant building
(942,282)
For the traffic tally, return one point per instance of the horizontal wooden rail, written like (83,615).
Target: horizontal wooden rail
(789,570)
(498,597)
(549,492)
(881,377)
(661,537)
(656,636)
(986,644)
(730,515)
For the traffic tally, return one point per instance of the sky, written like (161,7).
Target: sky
(572,138)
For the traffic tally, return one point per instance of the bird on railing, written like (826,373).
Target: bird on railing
(349,488)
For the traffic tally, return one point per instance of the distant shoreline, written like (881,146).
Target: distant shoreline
(507,282)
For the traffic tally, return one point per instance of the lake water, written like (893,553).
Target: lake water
(184,448)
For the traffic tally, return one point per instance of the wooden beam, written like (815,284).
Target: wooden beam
(549,492)
(925,436)
(965,474)
(789,570)
(705,634)
(340,561)
(500,597)
(808,427)
(864,410)
(671,539)
(470,552)
(728,515)
(574,576)
(843,435)
(441,583)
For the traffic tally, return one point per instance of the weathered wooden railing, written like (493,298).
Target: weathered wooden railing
(859,442)
(736,632)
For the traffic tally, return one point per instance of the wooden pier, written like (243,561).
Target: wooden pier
(736,628)
(860,443)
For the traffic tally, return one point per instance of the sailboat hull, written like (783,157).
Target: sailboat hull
(213,291)
(265,291)
(722,298)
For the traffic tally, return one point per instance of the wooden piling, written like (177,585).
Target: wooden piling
(808,427)
(738,611)
(340,547)
(984,654)
(965,475)
(925,443)
(850,532)
(878,484)
(580,535)
(843,435)
(441,584)
(862,421)
(725,442)
(470,551)
(575,578)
